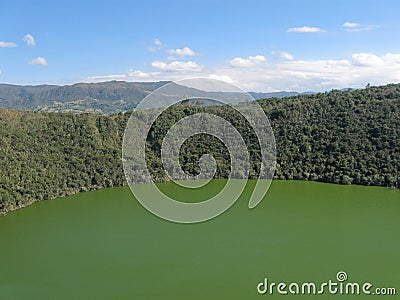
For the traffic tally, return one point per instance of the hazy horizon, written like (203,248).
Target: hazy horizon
(167,81)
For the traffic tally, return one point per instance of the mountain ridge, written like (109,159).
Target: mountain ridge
(102,97)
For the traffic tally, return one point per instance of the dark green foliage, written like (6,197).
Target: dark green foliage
(347,137)
(51,155)
(339,137)
(194,147)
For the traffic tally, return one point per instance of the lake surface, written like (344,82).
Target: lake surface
(105,245)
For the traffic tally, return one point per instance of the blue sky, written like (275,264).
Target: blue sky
(259,45)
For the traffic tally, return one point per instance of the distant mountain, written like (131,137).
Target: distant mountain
(281,94)
(103,97)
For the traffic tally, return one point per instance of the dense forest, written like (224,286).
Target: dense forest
(346,137)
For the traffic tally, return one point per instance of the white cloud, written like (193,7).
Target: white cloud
(286,55)
(7,45)
(177,66)
(157,42)
(367,59)
(138,74)
(225,78)
(38,61)
(157,45)
(247,62)
(108,77)
(305,29)
(131,75)
(350,24)
(357,27)
(186,51)
(30,40)
(395,58)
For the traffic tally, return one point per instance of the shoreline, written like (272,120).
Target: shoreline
(30,202)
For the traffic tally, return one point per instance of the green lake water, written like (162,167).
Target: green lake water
(105,245)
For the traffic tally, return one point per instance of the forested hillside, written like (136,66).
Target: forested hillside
(348,137)
(45,155)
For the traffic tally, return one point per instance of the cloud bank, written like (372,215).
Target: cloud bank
(256,73)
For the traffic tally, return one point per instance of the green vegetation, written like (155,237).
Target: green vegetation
(104,245)
(339,137)
(102,97)
(348,137)
(48,155)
